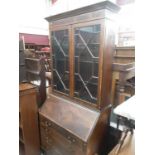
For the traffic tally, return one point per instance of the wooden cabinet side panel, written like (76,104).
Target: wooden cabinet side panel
(29,117)
(97,139)
(108,50)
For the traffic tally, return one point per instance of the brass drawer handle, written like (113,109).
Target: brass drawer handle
(68,137)
(49,124)
(73,140)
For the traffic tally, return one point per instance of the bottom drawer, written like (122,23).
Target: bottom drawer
(53,141)
(56,143)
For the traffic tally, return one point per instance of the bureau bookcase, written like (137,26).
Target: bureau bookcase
(82,45)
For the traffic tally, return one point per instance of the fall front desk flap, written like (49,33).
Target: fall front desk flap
(78,120)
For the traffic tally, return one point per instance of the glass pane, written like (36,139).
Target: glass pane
(60,52)
(86,62)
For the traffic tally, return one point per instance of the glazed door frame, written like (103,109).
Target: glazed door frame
(100,59)
(70,29)
(54,29)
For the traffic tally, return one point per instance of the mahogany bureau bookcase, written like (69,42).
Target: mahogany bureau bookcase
(73,119)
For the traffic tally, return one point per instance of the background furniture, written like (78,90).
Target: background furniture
(22,70)
(126,112)
(126,115)
(47,63)
(123,78)
(124,55)
(123,82)
(127,109)
(28,120)
(35,74)
(32,70)
(46,56)
(74,118)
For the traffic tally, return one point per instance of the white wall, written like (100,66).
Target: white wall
(127,16)
(66,5)
(33,12)
(31,17)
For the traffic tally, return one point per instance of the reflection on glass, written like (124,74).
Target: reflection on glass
(60,48)
(86,62)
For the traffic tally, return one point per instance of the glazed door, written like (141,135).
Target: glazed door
(86,61)
(77,56)
(60,59)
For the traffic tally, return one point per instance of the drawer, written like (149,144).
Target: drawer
(56,138)
(51,128)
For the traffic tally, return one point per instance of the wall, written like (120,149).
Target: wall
(31,17)
(33,12)
(126,22)
(65,5)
